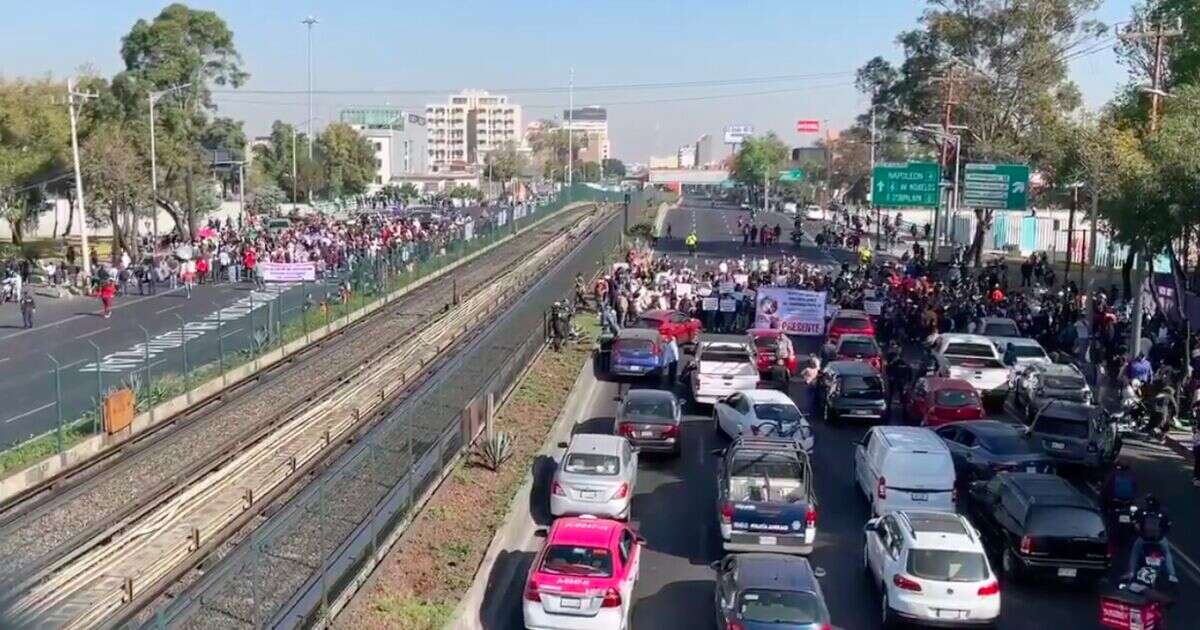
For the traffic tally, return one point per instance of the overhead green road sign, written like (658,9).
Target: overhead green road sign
(794,175)
(996,186)
(911,185)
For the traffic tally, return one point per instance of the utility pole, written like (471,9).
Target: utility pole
(153,97)
(72,95)
(570,130)
(1160,34)
(766,189)
(1091,261)
(1071,230)
(309,22)
(949,81)
(871,190)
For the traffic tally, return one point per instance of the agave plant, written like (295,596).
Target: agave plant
(493,450)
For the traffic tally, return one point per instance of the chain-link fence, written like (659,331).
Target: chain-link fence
(56,402)
(296,569)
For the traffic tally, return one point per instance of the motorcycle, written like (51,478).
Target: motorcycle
(1139,600)
(8,290)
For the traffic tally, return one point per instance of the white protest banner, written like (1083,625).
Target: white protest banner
(704,291)
(728,305)
(683,288)
(741,278)
(288,272)
(469,230)
(795,311)
(873,307)
(709,304)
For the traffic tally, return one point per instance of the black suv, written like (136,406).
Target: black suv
(852,390)
(766,589)
(1038,523)
(1075,434)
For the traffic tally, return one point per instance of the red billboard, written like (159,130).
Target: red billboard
(808,125)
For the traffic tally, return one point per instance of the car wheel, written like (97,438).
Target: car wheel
(887,619)
(1010,564)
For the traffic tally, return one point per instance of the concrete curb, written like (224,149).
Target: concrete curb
(517,532)
(91,447)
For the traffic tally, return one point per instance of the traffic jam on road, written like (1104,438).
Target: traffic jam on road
(755,479)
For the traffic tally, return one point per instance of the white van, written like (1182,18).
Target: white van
(904,468)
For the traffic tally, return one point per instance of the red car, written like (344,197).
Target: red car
(859,348)
(771,344)
(683,328)
(935,401)
(847,322)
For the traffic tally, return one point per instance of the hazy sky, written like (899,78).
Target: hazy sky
(413,53)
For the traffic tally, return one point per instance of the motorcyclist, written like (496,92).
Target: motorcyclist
(1152,526)
(1139,368)
(1120,486)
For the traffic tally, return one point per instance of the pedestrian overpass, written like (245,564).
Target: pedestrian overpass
(694,177)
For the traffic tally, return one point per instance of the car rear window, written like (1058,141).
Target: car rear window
(947,566)
(973,362)
(862,386)
(634,345)
(860,347)
(649,408)
(1065,427)
(784,413)
(581,561)
(1001,329)
(1006,444)
(1028,352)
(956,398)
(648,322)
(780,607)
(852,323)
(592,464)
(766,465)
(970,350)
(725,357)
(766,343)
(1064,521)
(1063,382)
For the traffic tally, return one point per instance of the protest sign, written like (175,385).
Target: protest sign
(795,311)
(288,272)
(709,304)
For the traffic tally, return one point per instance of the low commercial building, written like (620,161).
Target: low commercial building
(397,137)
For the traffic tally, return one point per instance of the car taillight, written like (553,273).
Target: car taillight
(556,488)
(622,491)
(727,512)
(904,582)
(612,599)
(954,494)
(671,430)
(810,517)
(655,350)
(1091,447)
(1026,545)
(881,488)
(624,429)
(991,588)
(734,625)
(531,592)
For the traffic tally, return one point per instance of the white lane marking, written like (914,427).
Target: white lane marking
(5,359)
(1193,568)
(231,333)
(30,412)
(169,308)
(94,332)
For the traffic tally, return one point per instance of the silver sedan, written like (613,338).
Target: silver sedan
(596,476)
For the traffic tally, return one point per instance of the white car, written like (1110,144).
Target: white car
(595,477)
(930,568)
(749,411)
(723,364)
(1026,351)
(905,468)
(789,208)
(974,359)
(814,213)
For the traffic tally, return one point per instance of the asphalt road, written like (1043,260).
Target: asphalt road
(674,501)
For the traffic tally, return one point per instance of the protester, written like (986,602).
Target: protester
(28,307)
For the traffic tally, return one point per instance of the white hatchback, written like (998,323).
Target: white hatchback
(762,412)
(930,568)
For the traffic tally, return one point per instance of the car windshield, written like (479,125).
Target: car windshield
(947,566)
(649,408)
(1006,444)
(784,413)
(1066,427)
(851,323)
(1001,329)
(1028,352)
(592,464)
(956,398)
(766,465)
(1064,382)
(790,607)
(855,386)
(860,347)
(1065,521)
(581,561)
(980,350)
(767,343)
(973,362)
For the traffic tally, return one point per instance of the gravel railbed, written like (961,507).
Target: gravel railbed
(27,542)
(257,585)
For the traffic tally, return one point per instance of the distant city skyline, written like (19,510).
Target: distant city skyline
(667,72)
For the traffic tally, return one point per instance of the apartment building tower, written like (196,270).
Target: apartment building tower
(469,125)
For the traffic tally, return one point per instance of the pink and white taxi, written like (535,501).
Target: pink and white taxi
(583,577)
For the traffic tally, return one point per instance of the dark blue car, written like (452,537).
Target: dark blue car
(769,591)
(636,352)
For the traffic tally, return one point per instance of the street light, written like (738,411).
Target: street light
(309,22)
(938,132)
(154,96)
(294,186)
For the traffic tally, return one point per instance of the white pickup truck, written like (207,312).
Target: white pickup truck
(974,359)
(723,364)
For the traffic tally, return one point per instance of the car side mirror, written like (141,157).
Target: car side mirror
(562,445)
(819,572)
(641,540)
(541,532)
(719,452)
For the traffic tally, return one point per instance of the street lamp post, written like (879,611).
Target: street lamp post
(309,22)
(570,130)
(295,192)
(153,97)
(83,240)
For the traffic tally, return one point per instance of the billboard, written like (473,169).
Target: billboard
(735,134)
(808,125)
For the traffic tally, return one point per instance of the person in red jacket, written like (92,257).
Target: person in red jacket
(248,262)
(107,289)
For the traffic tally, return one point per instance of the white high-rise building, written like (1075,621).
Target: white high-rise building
(593,121)
(467,126)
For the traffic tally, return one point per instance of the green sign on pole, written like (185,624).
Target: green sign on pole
(911,185)
(996,186)
(794,175)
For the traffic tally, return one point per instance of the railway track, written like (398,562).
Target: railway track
(108,566)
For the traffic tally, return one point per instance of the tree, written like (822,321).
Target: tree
(587,172)
(466,192)
(265,199)
(758,157)
(408,192)
(116,183)
(33,149)
(505,162)
(225,135)
(552,145)
(347,160)
(179,46)
(614,167)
